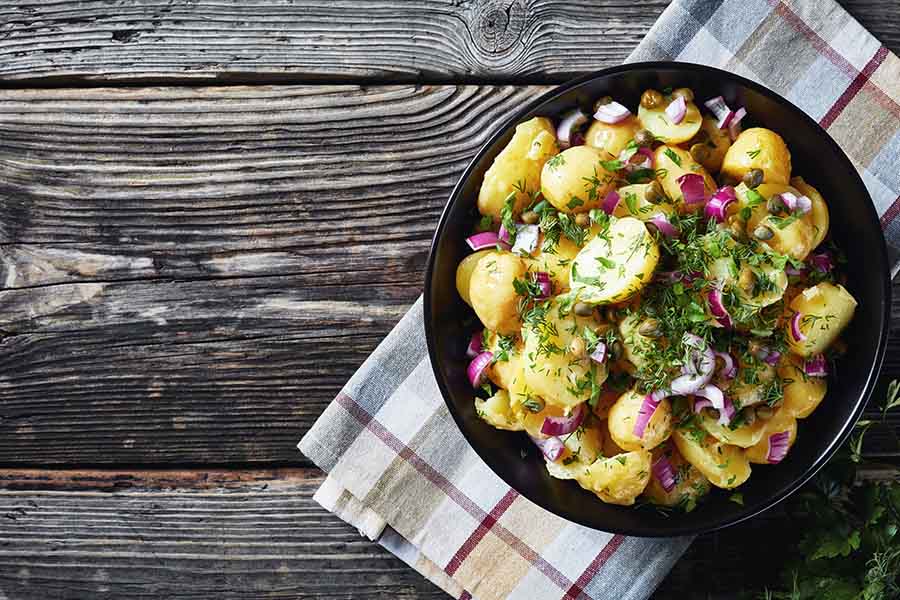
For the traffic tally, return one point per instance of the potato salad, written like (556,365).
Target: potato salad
(659,299)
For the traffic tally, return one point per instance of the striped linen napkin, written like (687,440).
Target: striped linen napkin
(398,467)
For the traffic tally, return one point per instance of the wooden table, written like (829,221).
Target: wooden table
(211,212)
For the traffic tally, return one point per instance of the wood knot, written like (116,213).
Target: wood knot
(498,24)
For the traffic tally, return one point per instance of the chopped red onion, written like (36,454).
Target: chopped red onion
(563,425)
(790,269)
(799,336)
(648,407)
(664,473)
(719,402)
(778,447)
(717,207)
(526,238)
(485,239)
(692,189)
(476,368)
(569,125)
(699,405)
(717,307)
(661,222)
(543,280)
(612,113)
(721,111)
(734,125)
(552,448)
(729,368)
(503,234)
(599,353)
(817,366)
(610,202)
(822,261)
(772,357)
(796,204)
(676,110)
(475,344)
(627,156)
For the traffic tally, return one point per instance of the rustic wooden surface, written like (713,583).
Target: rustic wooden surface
(190,273)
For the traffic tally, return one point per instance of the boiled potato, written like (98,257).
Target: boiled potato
(802,393)
(755,286)
(610,447)
(819,214)
(633,203)
(556,261)
(724,465)
(636,346)
(690,483)
(794,237)
(496,411)
(758,148)
(717,142)
(826,310)
(611,137)
(742,436)
(656,121)
(779,422)
(613,267)
(464,273)
(517,169)
(501,372)
(624,414)
(582,448)
(676,162)
(747,390)
(492,294)
(575,180)
(552,370)
(619,479)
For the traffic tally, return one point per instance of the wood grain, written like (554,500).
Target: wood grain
(190,275)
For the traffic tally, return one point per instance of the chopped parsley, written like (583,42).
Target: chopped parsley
(672,156)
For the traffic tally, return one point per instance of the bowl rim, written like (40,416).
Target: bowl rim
(870,379)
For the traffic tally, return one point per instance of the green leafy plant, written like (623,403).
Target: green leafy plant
(847,530)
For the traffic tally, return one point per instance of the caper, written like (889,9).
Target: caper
(700,152)
(654,193)
(616,350)
(686,93)
(775,205)
(749,416)
(763,233)
(603,100)
(651,99)
(753,178)
(582,220)
(764,412)
(650,328)
(534,404)
(583,309)
(577,347)
(644,138)
(530,217)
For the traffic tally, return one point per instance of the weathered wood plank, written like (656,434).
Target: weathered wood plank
(190,275)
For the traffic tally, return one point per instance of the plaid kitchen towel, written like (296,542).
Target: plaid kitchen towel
(399,469)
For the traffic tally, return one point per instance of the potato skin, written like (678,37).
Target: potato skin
(575,180)
(827,309)
(491,291)
(617,480)
(758,148)
(725,466)
(690,484)
(464,273)
(682,165)
(520,162)
(802,394)
(611,137)
(623,415)
(781,421)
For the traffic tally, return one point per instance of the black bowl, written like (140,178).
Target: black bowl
(854,226)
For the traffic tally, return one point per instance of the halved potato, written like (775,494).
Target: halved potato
(575,180)
(496,411)
(826,309)
(656,121)
(464,273)
(675,162)
(555,261)
(619,479)
(758,148)
(623,415)
(633,203)
(802,393)
(820,217)
(724,465)
(492,294)
(611,137)
(690,483)
(743,436)
(779,422)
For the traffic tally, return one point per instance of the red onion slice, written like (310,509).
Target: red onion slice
(628,156)
(816,366)
(729,368)
(799,336)
(770,357)
(476,368)
(734,125)
(687,384)
(720,110)
(796,204)
(718,401)
(648,407)
(610,202)
(699,405)
(790,269)
(717,307)
(503,234)
(778,447)
(612,113)
(552,448)
(676,110)
(599,353)
(543,280)
(692,189)
(526,238)
(485,239)
(563,425)
(475,344)
(664,473)
(821,261)
(569,125)
(717,207)
(661,222)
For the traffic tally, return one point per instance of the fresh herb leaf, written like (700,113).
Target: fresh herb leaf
(672,156)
